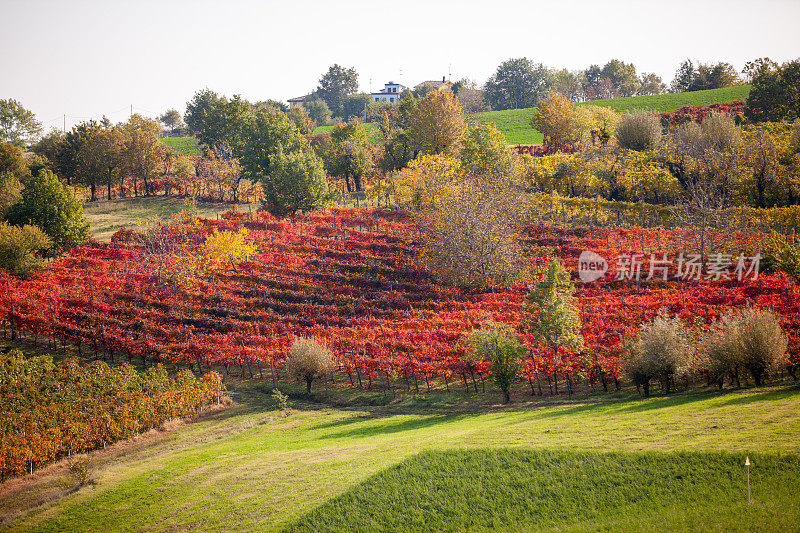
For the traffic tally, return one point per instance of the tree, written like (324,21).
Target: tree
(309,360)
(499,345)
(422,183)
(302,120)
(557,119)
(355,105)
(774,95)
(350,154)
(758,66)
(100,160)
(49,147)
(277,104)
(569,84)
(229,247)
(335,85)
(650,83)
(199,110)
(471,233)
(297,182)
(20,247)
(684,77)
(704,76)
(551,312)
(659,351)
(437,124)
(318,110)
(171,119)
(18,125)
(12,161)
(46,203)
(470,96)
(70,145)
(517,83)
(622,76)
(486,152)
(265,132)
(142,152)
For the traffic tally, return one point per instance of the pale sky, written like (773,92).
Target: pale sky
(89,58)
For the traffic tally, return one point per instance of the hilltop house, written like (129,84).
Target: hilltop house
(434,85)
(391,92)
(298,101)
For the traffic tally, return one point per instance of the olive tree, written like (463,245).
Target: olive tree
(309,360)
(658,352)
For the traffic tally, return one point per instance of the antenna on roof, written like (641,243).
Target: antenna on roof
(401,75)
(449,71)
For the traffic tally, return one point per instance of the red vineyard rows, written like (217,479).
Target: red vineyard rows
(351,278)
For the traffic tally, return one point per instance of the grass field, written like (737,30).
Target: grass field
(352,462)
(515,123)
(107,216)
(183,145)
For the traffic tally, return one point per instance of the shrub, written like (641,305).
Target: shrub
(19,247)
(282,400)
(79,471)
(761,341)
(499,345)
(46,203)
(309,360)
(720,346)
(639,130)
(658,352)
(794,138)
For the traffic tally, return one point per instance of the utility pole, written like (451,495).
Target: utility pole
(64,128)
(131,111)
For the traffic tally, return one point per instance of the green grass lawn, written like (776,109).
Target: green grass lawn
(183,145)
(107,216)
(515,123)
(249,468)
(528,490)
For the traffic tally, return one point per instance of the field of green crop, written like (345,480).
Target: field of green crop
(183,145)
(362,461)
(515,123)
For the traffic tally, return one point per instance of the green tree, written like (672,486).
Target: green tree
(622,76)
(302,120)
(350,153)
(70,145)
(18,125)
(354,105)
(171,119)
(517,83)
(100,160)
(775,94)
(199,111)
(318,110)
(20,247)
(297,182)
(49,147)
(335,85)
(650,83)
(486,151)
(264,132)
(551,312)
(142,152)
(500,347)
(46,203)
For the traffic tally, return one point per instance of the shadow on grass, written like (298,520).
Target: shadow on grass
(384,427)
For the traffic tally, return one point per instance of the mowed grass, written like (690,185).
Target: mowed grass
(515,123)
(107,216)
(251,469)
(183,145)
(529,490)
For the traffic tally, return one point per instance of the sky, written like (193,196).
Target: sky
(84,59)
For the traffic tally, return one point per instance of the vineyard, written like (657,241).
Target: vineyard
(352,279)
(56,410)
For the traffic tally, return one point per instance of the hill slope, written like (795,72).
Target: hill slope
(514,123)
(248,468)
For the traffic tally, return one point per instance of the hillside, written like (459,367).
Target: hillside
(372,129)
(514,123)
(183,145)
(604,462)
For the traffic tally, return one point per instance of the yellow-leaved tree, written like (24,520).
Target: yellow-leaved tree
(557,119)
(437,124)
(422,183)
(228,247)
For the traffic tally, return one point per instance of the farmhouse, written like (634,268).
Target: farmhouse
(391,92)
(298,101)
